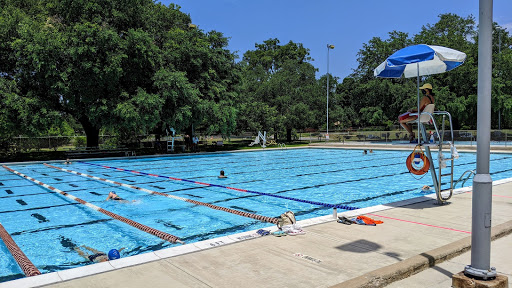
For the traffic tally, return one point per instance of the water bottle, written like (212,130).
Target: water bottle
(432,139)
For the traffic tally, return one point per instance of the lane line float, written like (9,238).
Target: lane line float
(226,187)
(229,210)
(142,227)
(25,264)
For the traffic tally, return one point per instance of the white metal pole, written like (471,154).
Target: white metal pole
(327,134)
(418,92)
(329,46)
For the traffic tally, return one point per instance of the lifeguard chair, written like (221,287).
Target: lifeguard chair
(426,118)
(421,60)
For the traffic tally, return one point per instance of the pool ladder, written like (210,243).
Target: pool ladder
(281,145)
(469,172)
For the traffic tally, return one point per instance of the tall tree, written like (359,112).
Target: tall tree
(280,79)
(118,64)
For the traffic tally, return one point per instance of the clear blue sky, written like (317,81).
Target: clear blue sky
(343,23)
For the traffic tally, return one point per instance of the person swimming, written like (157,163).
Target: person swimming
(114,196)
(98,256)
(222,174)
(426,188)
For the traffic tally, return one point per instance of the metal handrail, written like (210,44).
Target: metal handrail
(470,173)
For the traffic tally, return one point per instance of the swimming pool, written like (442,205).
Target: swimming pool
(47,225)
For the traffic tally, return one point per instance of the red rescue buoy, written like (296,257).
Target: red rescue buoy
(414,170)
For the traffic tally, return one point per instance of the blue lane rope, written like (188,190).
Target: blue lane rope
(227,187)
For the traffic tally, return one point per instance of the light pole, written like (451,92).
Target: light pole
(482,182)
(329,47)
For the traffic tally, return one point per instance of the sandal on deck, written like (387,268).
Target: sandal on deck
(279,233)
(345,220)
(296,232)
(262,232)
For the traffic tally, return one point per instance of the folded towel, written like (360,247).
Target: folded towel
(369,221)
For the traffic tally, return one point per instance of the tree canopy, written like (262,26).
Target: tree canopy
(138,67)
(279,88)
(379,101)
(132,65)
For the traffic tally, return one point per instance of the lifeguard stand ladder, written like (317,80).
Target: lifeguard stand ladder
(437,178)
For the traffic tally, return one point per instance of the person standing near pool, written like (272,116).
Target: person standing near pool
(195,143)
(98,256)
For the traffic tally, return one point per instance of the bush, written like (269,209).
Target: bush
(80,141)
(57,142)
(110,142)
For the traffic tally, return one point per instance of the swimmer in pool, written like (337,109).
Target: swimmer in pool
(222,174)
(67,162)
(114,196)
(98,256)
(426,188)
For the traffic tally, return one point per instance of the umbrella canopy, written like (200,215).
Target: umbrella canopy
(420,60)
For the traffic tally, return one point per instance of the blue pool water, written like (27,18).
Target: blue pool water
(48,225)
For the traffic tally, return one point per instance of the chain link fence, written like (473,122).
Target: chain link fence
(64,143)
(461,137)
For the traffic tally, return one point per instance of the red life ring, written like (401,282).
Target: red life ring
(412,169)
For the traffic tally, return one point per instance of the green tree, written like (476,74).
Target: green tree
(502,78)
(279,80)
(455,90)
(119,65)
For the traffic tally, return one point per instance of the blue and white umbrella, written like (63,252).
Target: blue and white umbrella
(420,60)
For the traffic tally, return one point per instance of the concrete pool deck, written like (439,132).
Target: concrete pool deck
(414,233)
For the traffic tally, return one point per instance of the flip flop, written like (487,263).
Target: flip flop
(262,232)
(344,220)
(279,233)
(296,232)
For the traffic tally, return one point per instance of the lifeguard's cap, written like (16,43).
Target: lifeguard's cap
(425,86)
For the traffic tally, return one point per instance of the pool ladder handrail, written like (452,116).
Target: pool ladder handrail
(437,178)
(281,145)
(470,173)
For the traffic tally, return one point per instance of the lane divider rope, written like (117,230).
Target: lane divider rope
(142,227)
(272,220)
(413,222)
(25,264)
(226,187)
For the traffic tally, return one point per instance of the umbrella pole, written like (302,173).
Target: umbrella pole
(418,91)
